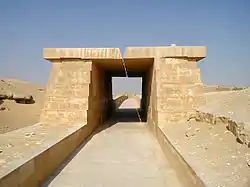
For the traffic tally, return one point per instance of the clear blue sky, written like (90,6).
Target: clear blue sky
(28,26)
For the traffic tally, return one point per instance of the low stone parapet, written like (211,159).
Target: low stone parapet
(186,175)
(29,155)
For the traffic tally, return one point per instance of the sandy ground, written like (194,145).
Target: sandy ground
(212,150)
(15,115)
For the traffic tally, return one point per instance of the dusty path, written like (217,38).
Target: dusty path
(124,154)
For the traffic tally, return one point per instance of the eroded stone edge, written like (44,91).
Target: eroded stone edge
(15,164)
(237,128)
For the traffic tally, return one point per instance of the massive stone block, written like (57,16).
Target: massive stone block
(67,92)
(179,87)
(76,91)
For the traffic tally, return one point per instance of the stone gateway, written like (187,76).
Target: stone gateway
(80,87)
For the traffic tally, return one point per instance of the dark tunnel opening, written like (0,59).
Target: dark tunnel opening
(127,98)
(111,106)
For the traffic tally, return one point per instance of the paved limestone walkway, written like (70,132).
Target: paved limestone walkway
(124,154)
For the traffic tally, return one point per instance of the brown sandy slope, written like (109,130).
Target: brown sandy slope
(232,108)
(233,104)
(15,115)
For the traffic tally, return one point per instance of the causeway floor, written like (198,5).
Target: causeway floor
(121,153)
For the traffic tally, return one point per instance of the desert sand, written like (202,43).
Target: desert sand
(20,104)
(213,152)
(210,149)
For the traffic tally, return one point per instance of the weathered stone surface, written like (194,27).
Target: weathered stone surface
(194,52)
(77,92)
(66,81)
(77,84)
(81,53)
(239,129)
(25,152)
(179,89)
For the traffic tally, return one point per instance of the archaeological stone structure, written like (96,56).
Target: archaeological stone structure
(80,87)
(79,100)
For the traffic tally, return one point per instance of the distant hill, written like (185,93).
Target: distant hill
(218,88)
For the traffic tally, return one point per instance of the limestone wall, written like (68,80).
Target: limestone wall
(67,92)
(97,100)
(79,88)
(76,93)
(175,90)
(168,103)
(152,114)
(179,89)
(146,90)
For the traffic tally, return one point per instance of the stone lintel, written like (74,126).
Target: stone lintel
(81,53)
(194,52)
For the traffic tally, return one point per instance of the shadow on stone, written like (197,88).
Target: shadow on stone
(47,181)
(119,100)
(128,115)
